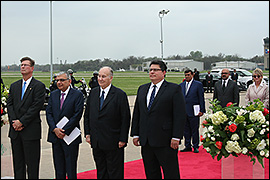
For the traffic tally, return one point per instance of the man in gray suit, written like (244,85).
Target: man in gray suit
(226,90)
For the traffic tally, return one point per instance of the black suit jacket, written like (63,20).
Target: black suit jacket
(231,93)
(109,125)
(72,109)
(26,110)
(209,78)
(166,118)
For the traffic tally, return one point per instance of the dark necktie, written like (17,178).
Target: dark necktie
(223,86)
(186,88)
(152,98)
(101,99)
(62,100)
(23,89)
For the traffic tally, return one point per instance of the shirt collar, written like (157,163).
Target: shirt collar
(106,90)
(66,91)
(158,84)
(28,80)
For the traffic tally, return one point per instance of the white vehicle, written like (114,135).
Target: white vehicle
(244,78)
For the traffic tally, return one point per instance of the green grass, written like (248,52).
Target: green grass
(128,81)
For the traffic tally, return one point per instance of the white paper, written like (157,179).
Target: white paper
(72,136)
(196,109)
(62,122)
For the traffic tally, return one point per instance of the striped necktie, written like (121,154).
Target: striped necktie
(152,97)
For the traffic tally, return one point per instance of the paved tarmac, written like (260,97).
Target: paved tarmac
(85,159)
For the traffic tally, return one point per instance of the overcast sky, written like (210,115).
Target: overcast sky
(84,30)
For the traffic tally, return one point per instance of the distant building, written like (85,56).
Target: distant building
(178,65)
(234,64)
(266,53)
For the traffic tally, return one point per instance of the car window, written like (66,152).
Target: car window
(244,73)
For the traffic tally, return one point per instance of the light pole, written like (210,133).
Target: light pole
(161,15)
(51,40)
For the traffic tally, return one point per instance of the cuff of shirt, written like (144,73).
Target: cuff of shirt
(176,139)
(135,137)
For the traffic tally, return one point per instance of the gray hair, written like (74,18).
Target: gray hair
(66,73)
(110,69)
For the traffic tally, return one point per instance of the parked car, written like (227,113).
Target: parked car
(216,77)
(244,78)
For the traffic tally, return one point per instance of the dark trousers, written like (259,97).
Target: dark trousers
(209,87)
(65,159)
(191,131)
(156,157)
(26,156)
(109,163)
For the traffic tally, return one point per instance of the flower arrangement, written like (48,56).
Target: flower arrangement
(234,130)
(4,96)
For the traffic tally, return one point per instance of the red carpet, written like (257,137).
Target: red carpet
(192,166)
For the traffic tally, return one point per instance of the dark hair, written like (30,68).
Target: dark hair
(32,62)
(161,64)
(188,70)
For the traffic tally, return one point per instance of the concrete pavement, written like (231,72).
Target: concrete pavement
(85,159)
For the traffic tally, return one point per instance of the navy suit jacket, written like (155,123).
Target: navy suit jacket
(195,96)
(72,109)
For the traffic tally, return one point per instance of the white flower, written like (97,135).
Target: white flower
(235,137)
(211,128)
(218,117)
(244,150)
(248,140)
(267,142)
(262,153)
(213,138)
(267,154)
(251,132)
(262,131)
(233,146)
(208,135)
(207,149)
(261,145)
(267,122)
(257,116)
(241,112)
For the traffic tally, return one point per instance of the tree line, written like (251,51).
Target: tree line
(92,65)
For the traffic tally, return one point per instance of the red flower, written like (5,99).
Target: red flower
(2,111)
(232,128)
(204,122)
(268,135)
(265,111)
(201,138)
(229,104)
(219,144)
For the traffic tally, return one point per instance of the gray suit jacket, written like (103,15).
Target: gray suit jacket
(231,93)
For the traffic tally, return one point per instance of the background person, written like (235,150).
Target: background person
(209,81)
(258,89)
(93,82)
(158,123)
(25,100)
(106,126)
(226,90)
(234,76)
(194,96)
(73,80)
(64,102)
(196,74)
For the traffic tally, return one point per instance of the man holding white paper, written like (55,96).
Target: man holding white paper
(64,112)
(195,107)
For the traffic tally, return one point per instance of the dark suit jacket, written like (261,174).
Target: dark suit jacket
(231,93)
(195,96)
(109,125)
(26,110)
(234,77)
(72,109)
(209,78)
(166,118)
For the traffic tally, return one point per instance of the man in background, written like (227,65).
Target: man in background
(209,81)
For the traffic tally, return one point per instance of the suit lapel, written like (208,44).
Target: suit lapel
(145,92)
(110,95)
(160,92)
(67,99)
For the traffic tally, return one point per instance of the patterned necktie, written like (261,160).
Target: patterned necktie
(223,86)
(186,88)
(101,99)
(152,98)
(23,89)
(62,100)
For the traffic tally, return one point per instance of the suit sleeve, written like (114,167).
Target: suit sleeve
(49,115)
(201,98)
(179,113)
(125,118)
(86,116)
(135,118)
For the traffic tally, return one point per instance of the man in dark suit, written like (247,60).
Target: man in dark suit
(226,90)
(64,102)
(234,76)
(25,100)
(194,96)
(158,123)
(209,81)
(106,126)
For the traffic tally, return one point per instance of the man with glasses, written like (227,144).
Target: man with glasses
(226,90)
(158,123)
(106,126)
(64,102)
(25,100)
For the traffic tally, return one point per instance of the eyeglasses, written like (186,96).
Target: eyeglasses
(258,76)
(61,80)
(224,73)
(155,70)
(25,65)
